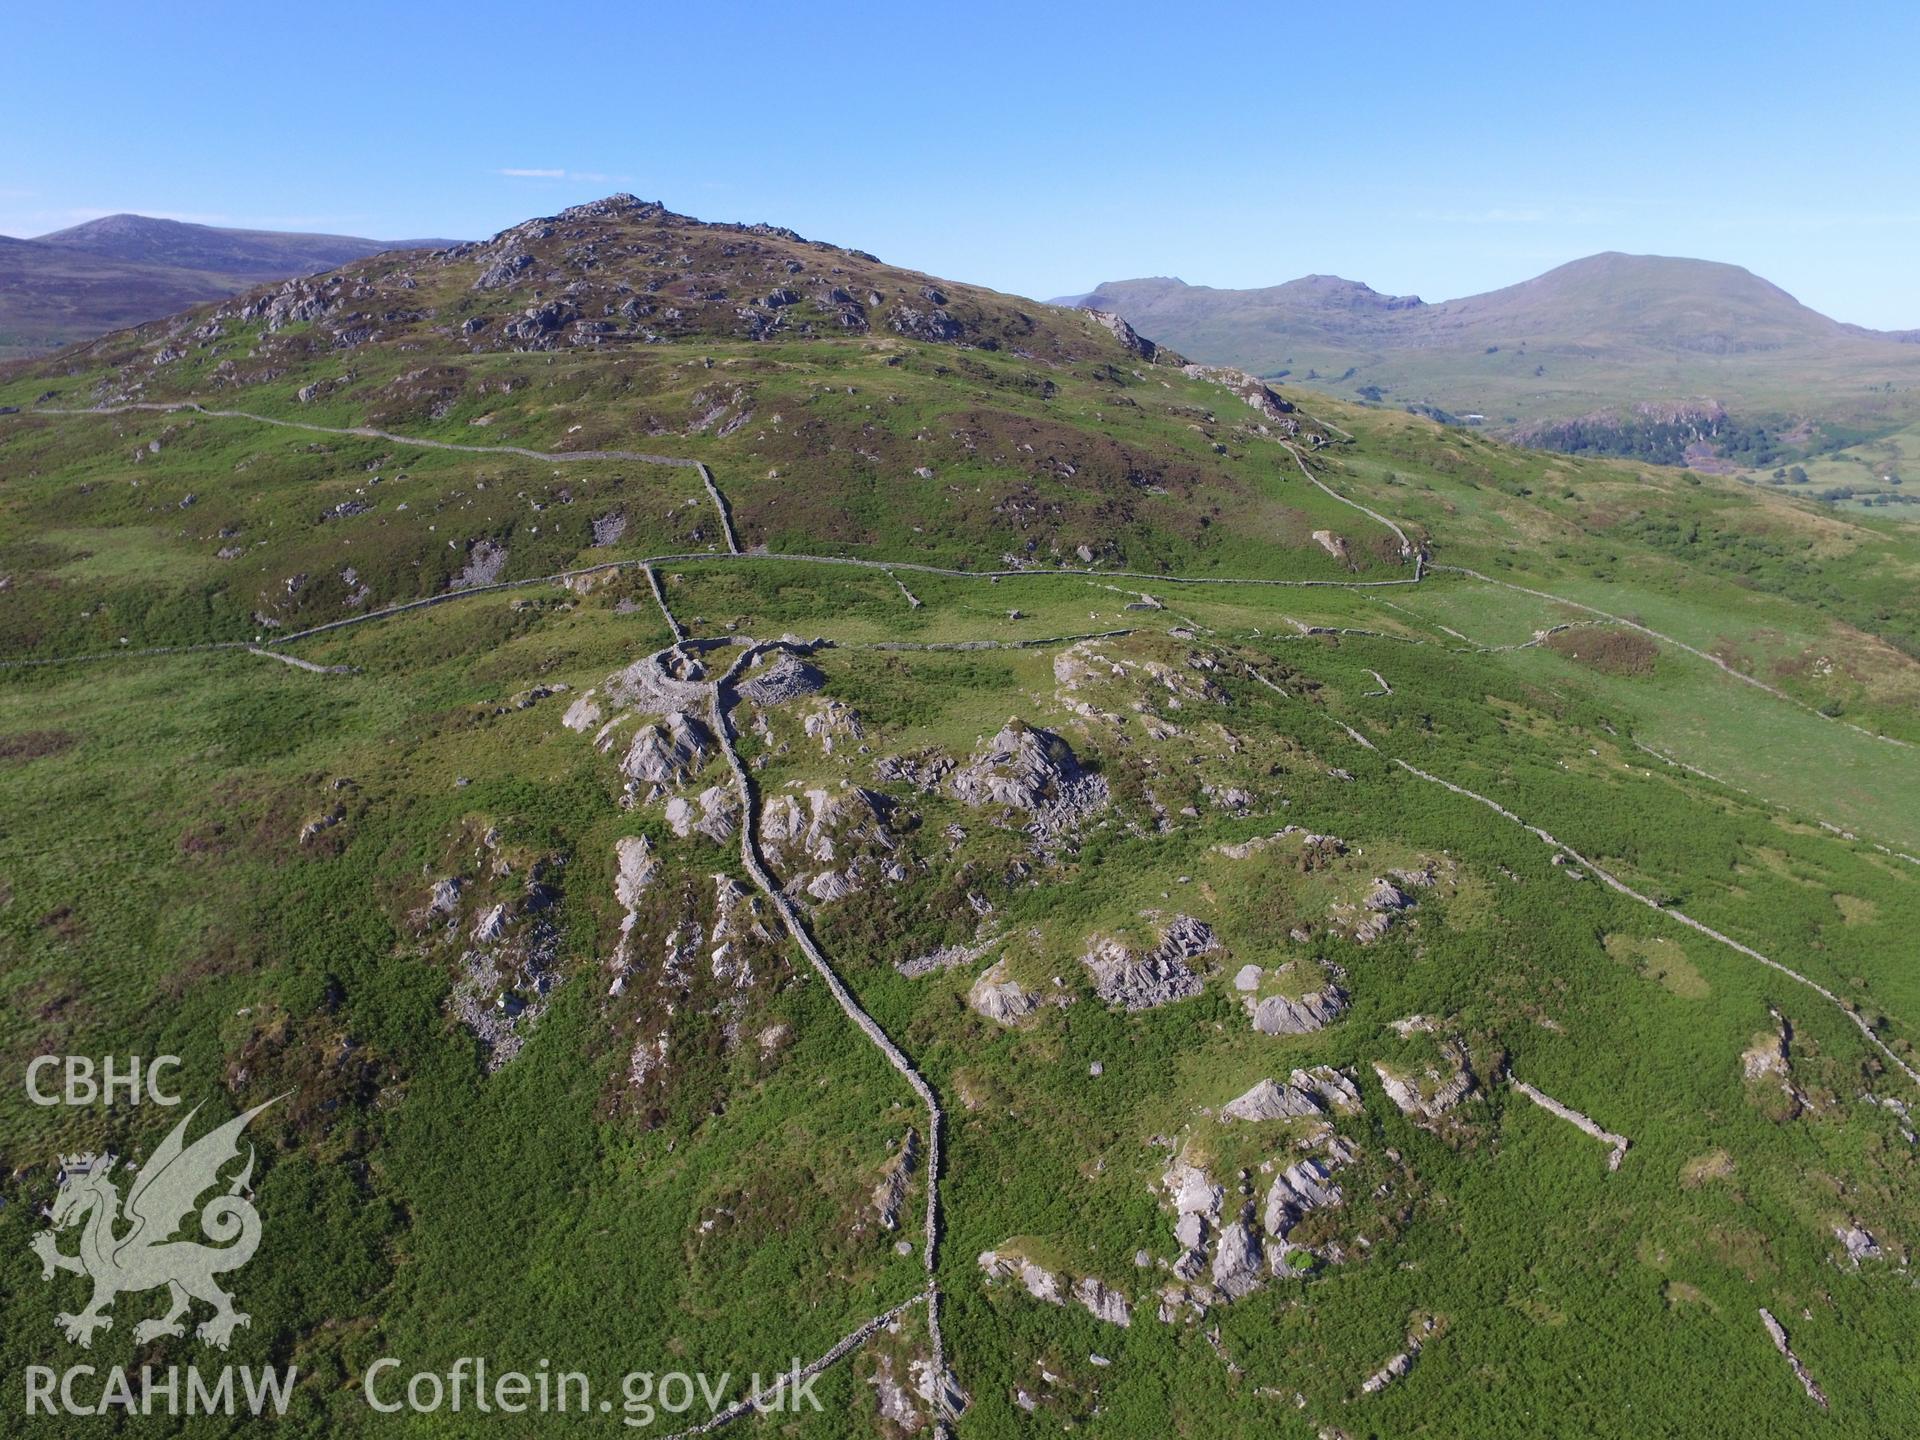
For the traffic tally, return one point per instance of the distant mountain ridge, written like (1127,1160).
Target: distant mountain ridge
(262,253)
(121,270)
(1603,333)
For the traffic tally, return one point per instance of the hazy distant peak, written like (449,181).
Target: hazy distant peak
(148,240)
(1336,290)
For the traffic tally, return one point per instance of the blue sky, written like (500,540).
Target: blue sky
(1429,149)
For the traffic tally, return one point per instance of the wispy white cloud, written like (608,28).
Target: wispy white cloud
(530,172)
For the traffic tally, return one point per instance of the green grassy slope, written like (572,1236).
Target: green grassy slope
(213,854)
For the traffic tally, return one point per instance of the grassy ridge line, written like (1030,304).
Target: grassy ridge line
(697,557)
(726,520)
(367,432)
(725,512)
(648,565)
(205,648)
(1420,570)
(1672,912)
(790,917)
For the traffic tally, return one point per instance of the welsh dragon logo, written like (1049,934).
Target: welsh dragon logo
(145,1255)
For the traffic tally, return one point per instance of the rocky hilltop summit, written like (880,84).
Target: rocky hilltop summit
(623,271)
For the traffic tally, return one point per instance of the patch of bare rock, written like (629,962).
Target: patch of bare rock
(831,842)
(1286,1015)
(1769,1061)
(503,921)
(1435,1089)
(891,1193)
(1100,1300)
(1026,769)
(1401,1364)
(999,998)
(1122,976)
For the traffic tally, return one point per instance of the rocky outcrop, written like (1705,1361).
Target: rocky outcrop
(840,830)
(1196,1204)
(1269,1100)
(1032,770)
(1236,1260)
(532,327)
(1130,339)
(509,965)
(1858,1243)
(831,885)
(999,998)
(1141,982)
(1247,1244)
(786,678)
(1040,1283)
(634,869)
(1434,1091)
(486,560)
(1384,902)
(1766,1058)
(583,714)
(1769,1060)
(894,1400)
(294,303)
(667,753)
(1398,1367)
(831,723)
(891,1193)
(1250,388)
(1102,1302)
(933,324)
(947,957)
(443,899)
(1281,1015)
(923,770)
(714,813)
(736,925)
(1303,1186)
(1334,1087)
(1313,847)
